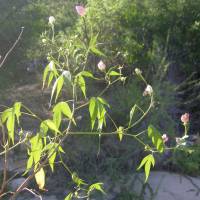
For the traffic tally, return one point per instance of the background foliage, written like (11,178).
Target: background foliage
(159,36)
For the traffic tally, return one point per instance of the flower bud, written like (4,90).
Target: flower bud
(138,71)
(52,20)
(165,138)
(101,66)
(185,118)
(51,66)
(148,91)
(80,10)
(44,40)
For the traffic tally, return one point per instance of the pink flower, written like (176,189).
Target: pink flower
(185,118)
(101,66)
(165,138)
(81,10)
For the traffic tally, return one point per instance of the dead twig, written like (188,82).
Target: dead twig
(12,47)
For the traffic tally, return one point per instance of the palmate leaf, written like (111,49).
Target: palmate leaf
(97,111)
(147,162)
(9,116)
(133,110)
(156,138)
(36,149)
(62,108)
(96,186)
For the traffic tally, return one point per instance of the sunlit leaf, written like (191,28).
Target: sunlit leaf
(81,83)
(97,51)
(120,132)
(93,110)
(51,125)
(131,114)
(156,138)
(96,186)
(17,108)
(87,74)
(59,86)
(114,73)
(103,101)
(52,159)
(77,180)
(45,75)
(147,162)
(69,196)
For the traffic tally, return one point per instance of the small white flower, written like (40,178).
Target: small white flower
(67,74)
(148,91)
(51,66)
(165,138)
(52,20)
(101,66)
(138,71)
(44,40)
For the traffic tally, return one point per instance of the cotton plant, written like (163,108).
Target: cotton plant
(68,68)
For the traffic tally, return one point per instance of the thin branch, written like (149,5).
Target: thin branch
(11,49)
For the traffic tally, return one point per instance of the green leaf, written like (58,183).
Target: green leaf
(96,186)
(61,149)
(131,114)
(114,73)
(52,159)
(59,86)
(59,109)
(69,196)
(120,132)
(147,162)
(6,114)
(103,101)
(51,76)
(45,75)
(97,51)
(29,162)
(43,129)
(57,116)
(93,41)
(36,149)
(51,125)
(77,180)
(17,108)
(156,138)
(93,110)
(87,74)
(81,83)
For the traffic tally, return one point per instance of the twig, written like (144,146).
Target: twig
(32,192)
(5,143)
(12,47)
